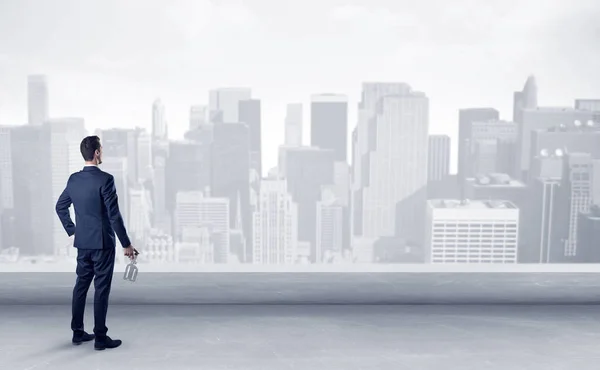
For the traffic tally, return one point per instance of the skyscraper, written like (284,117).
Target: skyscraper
(37,99)
(159,123)
(330,227)
(230,174)
(33,218)
(438,166)
(365,145)
(472,231)
(143,156)
(65,158)
(293,125)
(577,192)
(275,224)
(249,113)
(395,192)
(140,209)
(307,170)
(188,168)
(542,213)
(197,210)
(525,99)
(542,119)
(122,143)
(329,124)
(224,104)
(466,117)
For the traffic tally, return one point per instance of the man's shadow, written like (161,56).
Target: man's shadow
(57,354)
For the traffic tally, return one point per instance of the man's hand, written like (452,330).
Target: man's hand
(130,252)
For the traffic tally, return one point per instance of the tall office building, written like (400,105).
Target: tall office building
(466,117)
(330,227)
(293,125)
(581,137)
(197,210)
(230,176)
(249,113)
(480,146)
(438,160)
(577,191)
(159,122)
(188,168)
(65,158)
(224,104)
(140,211)
(143,156)
(122,143)
(37,99)
(396,182)
(275,224)
(6,167)
(329,124)
(30,224)
(472,231)
(543,119)
(160,214)
(364,149)
(542,237)
(307,170)
(198,116)
(525,99)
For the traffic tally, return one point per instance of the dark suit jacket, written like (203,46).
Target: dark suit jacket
(97,217)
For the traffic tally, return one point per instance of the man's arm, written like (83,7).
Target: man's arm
(109,194)
(62,210)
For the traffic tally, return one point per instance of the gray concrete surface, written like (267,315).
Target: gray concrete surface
(309,337)
(315,288)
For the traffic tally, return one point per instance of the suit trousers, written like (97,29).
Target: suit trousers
(96,264)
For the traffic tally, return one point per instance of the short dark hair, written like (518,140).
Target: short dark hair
(88,147)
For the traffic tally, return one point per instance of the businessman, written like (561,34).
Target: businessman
(97,218)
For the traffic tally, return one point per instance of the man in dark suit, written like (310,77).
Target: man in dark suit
(97,218)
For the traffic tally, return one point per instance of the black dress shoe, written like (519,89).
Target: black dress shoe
(105,343)
(85,337)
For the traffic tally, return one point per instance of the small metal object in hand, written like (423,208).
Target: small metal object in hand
(131,270)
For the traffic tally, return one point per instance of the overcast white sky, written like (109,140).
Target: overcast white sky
(108,60)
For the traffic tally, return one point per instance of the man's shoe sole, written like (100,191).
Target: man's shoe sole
(103,348)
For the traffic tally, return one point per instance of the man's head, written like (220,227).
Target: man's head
(91,150)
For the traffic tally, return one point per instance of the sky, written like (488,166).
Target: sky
(107,61)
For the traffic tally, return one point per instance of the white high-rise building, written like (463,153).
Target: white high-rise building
(65,158)
(396,160)
(140,206)
(363,147)
(195,210)
(226,101)
(293,125)
(144,156)
(275,224)
(159,123)
(472,231)
(330,227)
(6,169)
(37,99)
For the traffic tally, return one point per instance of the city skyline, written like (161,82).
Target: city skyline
(492,50)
